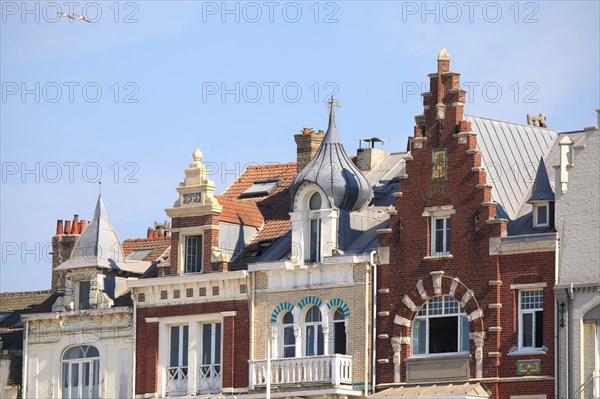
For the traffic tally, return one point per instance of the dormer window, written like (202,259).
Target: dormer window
(541,214)
(314,251)
(83,294)
(261,188)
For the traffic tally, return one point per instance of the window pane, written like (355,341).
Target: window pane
(92,352)
(289,351)
(439,236)
(443,335)
(315,202)
(193,254)
(85,377)
(527,329)
(542,214)
(320,340)
(288,318)
(310,341)
(217,343)
(184,346)
(447,235)
(465,334)
(288,336)
(315,225)
(532,299)
(206,343)
(84,295)
(539,329)
(450,305)
(174,355)
(65,375)
(75,381)
(338,315)
(339,331)
(435,305)
(419,336)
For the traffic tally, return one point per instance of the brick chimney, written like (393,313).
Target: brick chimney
(308,142)
(67,233)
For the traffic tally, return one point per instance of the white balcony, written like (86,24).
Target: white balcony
(331,369)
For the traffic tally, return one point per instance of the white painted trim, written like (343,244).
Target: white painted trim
(529,286)
(152,319)
(231,313)
(539,396)
(187,279)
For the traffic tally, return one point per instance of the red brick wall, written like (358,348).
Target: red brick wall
(409,244)
(211,240)
(236,342)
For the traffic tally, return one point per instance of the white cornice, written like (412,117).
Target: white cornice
(188,279)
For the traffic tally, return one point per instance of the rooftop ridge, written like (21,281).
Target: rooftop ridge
(271,165)
(513,123)
(25,293)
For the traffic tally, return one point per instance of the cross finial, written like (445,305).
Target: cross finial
(334,103)
(99,187)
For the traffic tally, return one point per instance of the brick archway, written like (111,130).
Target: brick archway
(436,285)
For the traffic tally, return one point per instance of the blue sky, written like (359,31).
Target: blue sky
(133,93)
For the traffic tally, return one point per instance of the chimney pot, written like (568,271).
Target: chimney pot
(59,227)
(82,226)
(67,227)
(155,234)
(75,224)
(149,233)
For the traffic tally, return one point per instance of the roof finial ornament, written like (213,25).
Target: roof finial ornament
(197,155)
(443,55)
(99,188)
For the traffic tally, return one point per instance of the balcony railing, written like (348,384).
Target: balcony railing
(331,369)
(177,379)
(209,379)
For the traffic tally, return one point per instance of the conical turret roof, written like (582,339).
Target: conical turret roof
(542,191)
(333,171)
(98,245)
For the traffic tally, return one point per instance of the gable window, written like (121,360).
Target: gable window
(209,381)
(541,214)
(289,337)
(81,373)
(339,332)
(441,326)
(83,300)
(193,254)
(314,342)
(440,236)
(531,318)
(314,250)
(177,371)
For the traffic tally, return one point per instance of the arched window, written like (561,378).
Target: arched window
(80,373)
(289,338)
(313,332)
(314,252)
(339,332)
(441,326)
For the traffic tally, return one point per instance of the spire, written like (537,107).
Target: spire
(333,171)
(332,136)
(542,191)
(98,245)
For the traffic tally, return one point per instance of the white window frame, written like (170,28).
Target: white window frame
(94,365)
(521,312)
(200,238)
(536,206)
(315,325)
(333,323)
(460,315)
(182,378)
(445,241)
(281,334)
(78,294)
(210,375)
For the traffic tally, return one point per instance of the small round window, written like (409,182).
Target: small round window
(315,202)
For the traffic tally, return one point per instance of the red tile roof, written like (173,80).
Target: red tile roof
(240,211)
(159,245)
(285,171)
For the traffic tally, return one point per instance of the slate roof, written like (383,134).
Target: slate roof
(510,152)
(541,191)
(332,170)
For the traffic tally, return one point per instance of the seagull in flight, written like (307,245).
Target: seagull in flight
(75,17)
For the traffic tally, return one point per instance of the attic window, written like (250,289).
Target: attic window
(261,188)
(140,254)
(541,214)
